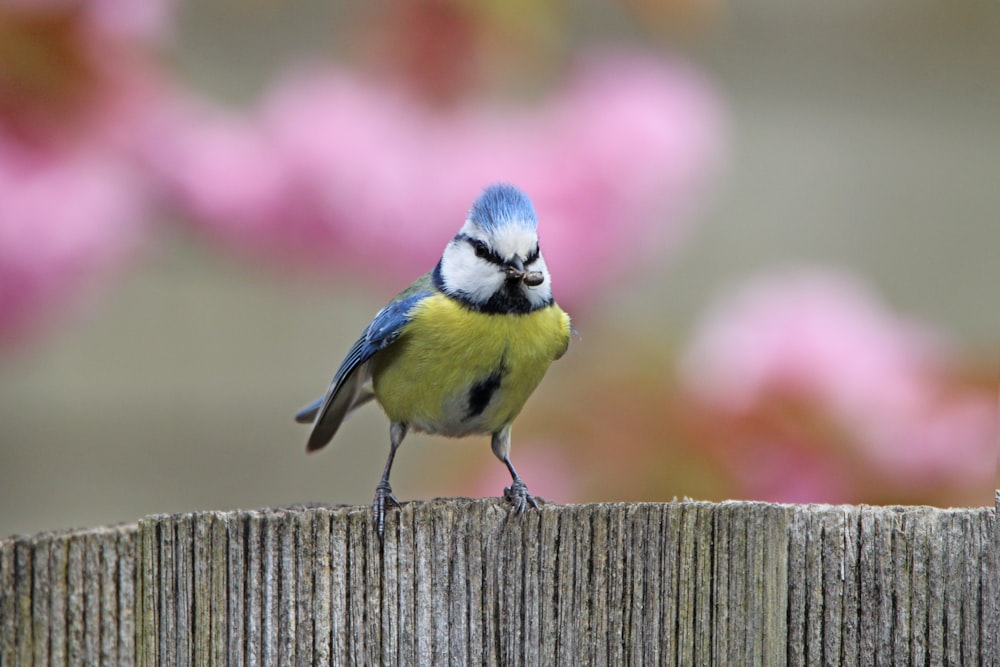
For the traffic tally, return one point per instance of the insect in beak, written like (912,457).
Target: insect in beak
(533,278)
(515,271)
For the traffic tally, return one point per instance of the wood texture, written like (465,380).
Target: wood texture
(466,582)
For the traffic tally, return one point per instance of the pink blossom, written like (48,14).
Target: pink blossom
(365,173)
(64,217)
(787,471)
(133,20)
(821,338)
(216,165)
(72,202)
(950,438)
(809,332)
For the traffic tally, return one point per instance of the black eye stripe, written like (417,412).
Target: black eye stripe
(483,251)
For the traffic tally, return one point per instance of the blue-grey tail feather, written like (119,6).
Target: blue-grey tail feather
(307,415)
(347,395)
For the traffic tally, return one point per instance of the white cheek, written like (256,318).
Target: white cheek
(540,265)
(462,271)
(542,293)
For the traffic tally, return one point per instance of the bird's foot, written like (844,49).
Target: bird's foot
(383,499)
(517,495)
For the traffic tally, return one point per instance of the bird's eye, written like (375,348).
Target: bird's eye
(481,249)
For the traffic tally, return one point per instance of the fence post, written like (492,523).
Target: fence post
(467,582)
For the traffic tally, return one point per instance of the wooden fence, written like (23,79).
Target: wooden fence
(466,583)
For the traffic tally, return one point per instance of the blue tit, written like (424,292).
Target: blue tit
(459,351)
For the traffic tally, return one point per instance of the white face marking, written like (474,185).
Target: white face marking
(478,278)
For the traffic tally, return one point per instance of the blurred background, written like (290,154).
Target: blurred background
(775,225)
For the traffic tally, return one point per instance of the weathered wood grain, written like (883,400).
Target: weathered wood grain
(467,582)
(69,598)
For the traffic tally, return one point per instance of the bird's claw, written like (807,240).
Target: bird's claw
(517,495)
(383,499)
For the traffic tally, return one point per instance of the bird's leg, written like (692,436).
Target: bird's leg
(383,492)
(517,493)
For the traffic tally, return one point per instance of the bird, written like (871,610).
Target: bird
(459,351)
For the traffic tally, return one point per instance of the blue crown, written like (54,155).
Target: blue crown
(500,205)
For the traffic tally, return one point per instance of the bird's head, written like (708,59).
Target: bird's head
(494,264)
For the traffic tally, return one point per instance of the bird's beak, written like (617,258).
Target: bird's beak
(515,268)
(515,271)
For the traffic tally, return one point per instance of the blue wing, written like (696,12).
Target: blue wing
(347,390)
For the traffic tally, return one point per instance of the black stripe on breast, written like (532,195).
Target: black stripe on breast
(481,393)
(509,299)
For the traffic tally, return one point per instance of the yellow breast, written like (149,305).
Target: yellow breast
(454,371)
